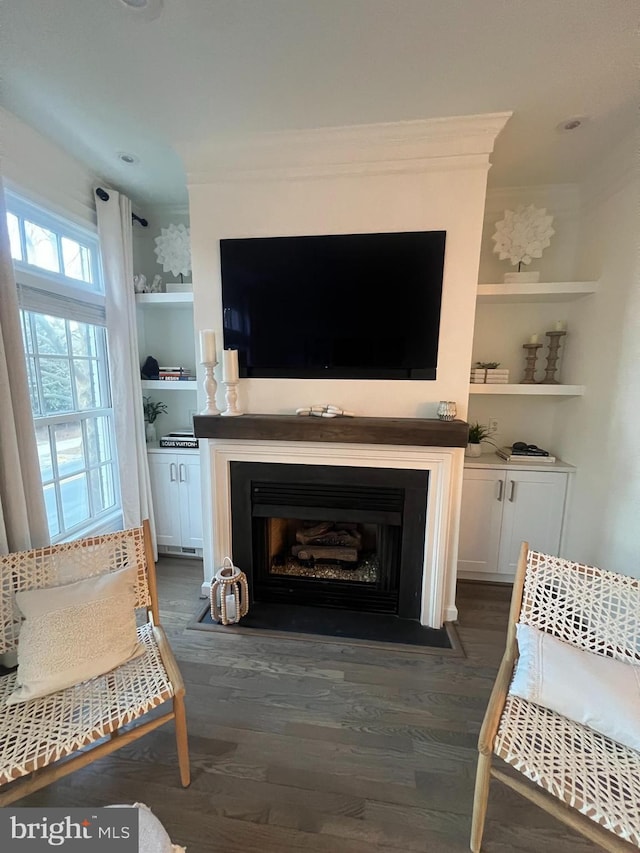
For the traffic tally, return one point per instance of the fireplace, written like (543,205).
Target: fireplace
(331,536)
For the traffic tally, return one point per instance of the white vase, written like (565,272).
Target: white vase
(473,450)
(150,432)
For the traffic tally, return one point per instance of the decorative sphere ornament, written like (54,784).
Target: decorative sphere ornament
(523,234)
(173,249)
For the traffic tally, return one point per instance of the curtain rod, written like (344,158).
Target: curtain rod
(103,195)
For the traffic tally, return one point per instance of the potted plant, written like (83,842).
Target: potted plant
(151,411)
(478,433)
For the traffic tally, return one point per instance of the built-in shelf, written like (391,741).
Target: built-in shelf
(534,390)
(164,298)
(548,291)
(168,385)
(492,460)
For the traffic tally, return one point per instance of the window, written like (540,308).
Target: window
(63,327)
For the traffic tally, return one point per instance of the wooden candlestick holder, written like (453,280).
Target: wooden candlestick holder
(552,358)
(530,366)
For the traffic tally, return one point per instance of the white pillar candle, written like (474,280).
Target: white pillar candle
(560,326)
(208,346)
(230,372)
(533,339)
(230,601)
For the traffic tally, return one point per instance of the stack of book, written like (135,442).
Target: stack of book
(510,455)
(489,376)
(175,374)
(179,438)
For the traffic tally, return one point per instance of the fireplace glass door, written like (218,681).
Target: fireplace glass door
(331,536)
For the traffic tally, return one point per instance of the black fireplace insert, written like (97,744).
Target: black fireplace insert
(331,536)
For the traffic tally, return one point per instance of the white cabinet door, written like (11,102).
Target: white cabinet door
(533,512)
(163,473)
(190,500)
(483,493)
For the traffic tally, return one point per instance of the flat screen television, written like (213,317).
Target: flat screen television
(344,306)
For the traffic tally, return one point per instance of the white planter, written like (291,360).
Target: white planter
(472,450)
(150,433)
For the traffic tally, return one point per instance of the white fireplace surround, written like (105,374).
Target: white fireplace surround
(443,464)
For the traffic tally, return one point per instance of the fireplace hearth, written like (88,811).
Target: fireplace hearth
(330,536)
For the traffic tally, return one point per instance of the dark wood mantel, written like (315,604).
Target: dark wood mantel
(425,432)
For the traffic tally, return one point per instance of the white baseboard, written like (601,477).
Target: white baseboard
(490,577)
(451,613)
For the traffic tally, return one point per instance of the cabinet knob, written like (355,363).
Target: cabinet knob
(500,489)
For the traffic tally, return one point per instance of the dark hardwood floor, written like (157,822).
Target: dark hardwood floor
(311,745)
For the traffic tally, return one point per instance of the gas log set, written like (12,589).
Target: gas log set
(327,540)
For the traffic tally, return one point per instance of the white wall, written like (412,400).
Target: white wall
(36,168)
(432,179)
(600,432)
(344,205)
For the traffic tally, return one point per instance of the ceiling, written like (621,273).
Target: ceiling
(99,78)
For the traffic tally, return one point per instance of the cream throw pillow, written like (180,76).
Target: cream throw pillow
(597,691)
(73,633)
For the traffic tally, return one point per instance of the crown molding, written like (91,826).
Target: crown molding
(434,164)
(457,142)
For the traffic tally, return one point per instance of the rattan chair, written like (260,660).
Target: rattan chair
(45,739)
(581,777)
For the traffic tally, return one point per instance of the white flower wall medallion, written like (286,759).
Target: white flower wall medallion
(522,235)
(173,249)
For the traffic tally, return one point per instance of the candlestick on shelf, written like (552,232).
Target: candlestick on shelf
(552,357)
(210,386)
(231,399)
(530,367)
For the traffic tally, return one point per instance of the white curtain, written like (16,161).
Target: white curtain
(114,228)
(23,519)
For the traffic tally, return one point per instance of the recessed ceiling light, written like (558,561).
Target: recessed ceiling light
(146,9)
(129,159)
(572,123)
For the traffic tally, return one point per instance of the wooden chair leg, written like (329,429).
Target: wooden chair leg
(182,741)
(480,800)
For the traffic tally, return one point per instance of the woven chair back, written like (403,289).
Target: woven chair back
(65,563)
(589,607)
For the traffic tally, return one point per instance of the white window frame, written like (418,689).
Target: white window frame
(45,292)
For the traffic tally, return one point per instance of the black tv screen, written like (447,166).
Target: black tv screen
(347,306)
